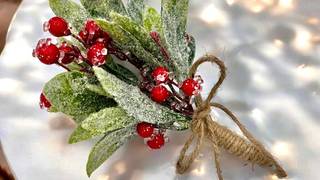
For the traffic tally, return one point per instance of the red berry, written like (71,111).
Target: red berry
(58,27)
(97,54)
(145,129)
(159,94)
(156,142)
(83,35)
(92,33)
(68,53)
(160,75)
(44,103)
(92,28)
(47,52)
(190,87)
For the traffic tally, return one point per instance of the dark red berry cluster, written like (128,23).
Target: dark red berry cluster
(155,138)
(164,89)
(97,43)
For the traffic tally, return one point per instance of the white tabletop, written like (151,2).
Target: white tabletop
(271,49)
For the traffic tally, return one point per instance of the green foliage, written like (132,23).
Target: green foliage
(67,92)
(134,102)
(191,49)
(121,72)
(102,8)
(71,11)
(152,20)
(139,32)
(80,134)
(135,10)
(106,120)
(174,18)
(128,42)
(111,103)
(97,88)
(107,146)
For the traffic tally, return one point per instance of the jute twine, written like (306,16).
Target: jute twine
(202,126)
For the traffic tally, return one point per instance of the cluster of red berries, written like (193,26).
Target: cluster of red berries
(92,37)
(160,93)
(155,138)
(164,89)
(96,41)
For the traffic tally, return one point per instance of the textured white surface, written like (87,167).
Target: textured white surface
(271,48)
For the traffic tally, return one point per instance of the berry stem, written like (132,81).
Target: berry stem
(80,40)
(63,66)
(156,38)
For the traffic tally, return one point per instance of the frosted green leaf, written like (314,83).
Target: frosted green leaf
(97,88)
(102,8)
(135,10)
(107,146)
(191,49)
(67,92)
(71,11)
(121,72)
(174,19)
(128,42)
(152,20)
(134,102)
(80,134)
(106,120)
(139,33)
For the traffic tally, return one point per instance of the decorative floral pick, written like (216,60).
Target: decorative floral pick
(130,73)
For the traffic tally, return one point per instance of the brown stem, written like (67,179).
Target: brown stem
(63,66)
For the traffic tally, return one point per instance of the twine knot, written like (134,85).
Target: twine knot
(199,117)
(202,126)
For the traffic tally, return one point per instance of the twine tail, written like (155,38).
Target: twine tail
(215,149)
(280,172)
(185,160)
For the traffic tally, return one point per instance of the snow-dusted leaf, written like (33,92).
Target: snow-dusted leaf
(107,146)
(135,10)
(102,8)
(106,120)
(80,134)
(139,32)
(174,19)
(191,49)
(134,102)
(128,42)
(67,92)
(121,72)
(71,11)
(97,88)
(152,20)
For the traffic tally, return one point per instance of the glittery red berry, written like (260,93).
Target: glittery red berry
(46,52)
(160,75)
(83,35)
(97,54)
(190,87)
(68,53)
(92,28)
(156,142)
(44,103)
(92,33)
(159,94)
(58,27)
(145,129)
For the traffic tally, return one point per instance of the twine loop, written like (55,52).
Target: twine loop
(202,126)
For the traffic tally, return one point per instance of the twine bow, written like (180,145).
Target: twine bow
(202,126)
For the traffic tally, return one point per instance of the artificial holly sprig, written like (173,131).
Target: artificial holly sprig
(104,97)
(128,74)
